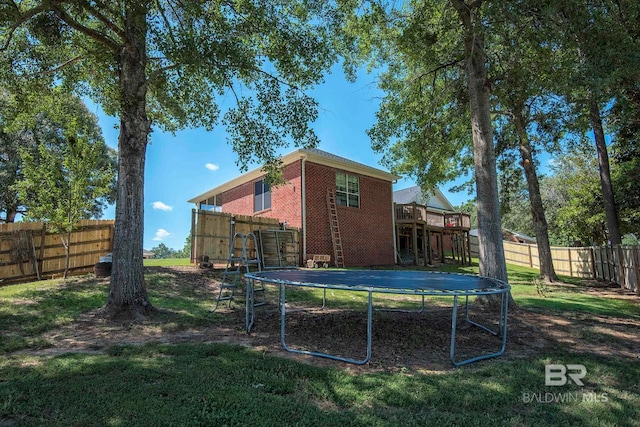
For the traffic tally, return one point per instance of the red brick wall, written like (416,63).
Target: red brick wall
(286,200)
(366,232)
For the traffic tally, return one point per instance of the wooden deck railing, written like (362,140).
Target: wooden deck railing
(458,220)
(413,212)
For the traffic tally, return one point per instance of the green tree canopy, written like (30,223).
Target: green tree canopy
(573,200)
(68,175)
(35,134)
(163,251)
(186,250)
(10,163)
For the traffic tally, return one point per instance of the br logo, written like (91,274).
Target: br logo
(556,375)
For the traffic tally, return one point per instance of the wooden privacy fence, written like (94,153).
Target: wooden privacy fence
(212,233)
(29,249)
(619,264)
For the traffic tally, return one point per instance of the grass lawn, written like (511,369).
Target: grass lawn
(166,262)
(220,384)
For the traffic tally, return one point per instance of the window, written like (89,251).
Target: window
(347,190)
(262,196)
(210,204)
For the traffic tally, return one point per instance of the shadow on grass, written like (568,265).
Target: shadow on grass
(186,299)
(32,311)
(213,384)
(29,310)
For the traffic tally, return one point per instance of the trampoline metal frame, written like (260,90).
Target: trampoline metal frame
(503,290)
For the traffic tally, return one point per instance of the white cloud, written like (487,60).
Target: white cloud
(212,167)
(161,234)
(162,206)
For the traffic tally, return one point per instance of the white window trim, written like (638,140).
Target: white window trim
(348,192)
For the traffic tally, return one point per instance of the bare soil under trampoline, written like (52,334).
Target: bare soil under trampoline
(402,342)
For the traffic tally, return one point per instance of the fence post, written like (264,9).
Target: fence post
(530,257)
(612,265)
(193,237)
(606,260)
(570,263)
(43,235)
(623,279)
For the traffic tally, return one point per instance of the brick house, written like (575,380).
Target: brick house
(363,195)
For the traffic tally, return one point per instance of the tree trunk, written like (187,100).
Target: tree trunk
(10,215)
(547,271)
(127,291)
(491,251)
(67,253)
(610,210)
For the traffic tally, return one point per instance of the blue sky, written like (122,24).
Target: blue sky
(181,166)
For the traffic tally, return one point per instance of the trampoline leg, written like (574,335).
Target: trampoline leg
(325,355)
(454,326)
(250,308)
(471,322)
(503,302)
(504,312)
(282,316)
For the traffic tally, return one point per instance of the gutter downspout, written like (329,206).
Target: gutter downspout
(393,222)
(304,209)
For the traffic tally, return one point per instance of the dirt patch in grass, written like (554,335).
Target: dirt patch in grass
(401,341)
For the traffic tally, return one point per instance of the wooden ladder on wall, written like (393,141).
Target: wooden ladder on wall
(335,229)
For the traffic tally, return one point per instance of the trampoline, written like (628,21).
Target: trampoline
(419,283)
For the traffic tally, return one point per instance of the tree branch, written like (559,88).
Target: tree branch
(96,35)
(464,12)
(22,18)
(177,15)
(233,91)
(107,6)
(62,66)
(161,70)
(438,68)
(166,21)
(106,21)
(276,78)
